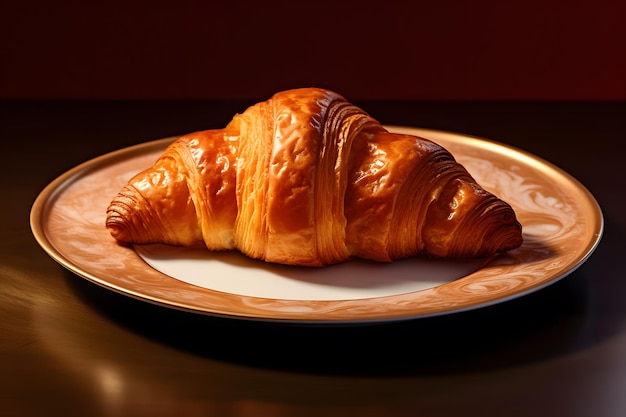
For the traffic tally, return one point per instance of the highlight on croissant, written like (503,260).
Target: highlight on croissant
(307,178)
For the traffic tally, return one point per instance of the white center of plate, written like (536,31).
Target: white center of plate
(234,273)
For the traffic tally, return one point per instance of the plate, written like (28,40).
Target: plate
(562,225)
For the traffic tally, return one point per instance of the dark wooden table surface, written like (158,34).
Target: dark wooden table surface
(69,347)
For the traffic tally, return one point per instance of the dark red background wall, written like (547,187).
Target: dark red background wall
(366,50)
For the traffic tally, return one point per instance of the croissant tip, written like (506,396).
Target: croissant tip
(119,215)
(116,225)
(510,237)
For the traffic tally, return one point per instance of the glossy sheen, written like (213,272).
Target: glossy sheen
(562,226)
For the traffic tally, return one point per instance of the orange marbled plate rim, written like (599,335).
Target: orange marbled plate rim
(561,219)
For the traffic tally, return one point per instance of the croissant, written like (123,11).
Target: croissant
(306,178)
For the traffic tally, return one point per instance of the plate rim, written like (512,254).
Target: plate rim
(48,195)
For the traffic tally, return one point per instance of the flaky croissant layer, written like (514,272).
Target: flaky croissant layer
(306,178)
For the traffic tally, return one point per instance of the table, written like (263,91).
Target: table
(69,347)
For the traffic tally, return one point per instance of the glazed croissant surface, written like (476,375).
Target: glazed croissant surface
(306,178)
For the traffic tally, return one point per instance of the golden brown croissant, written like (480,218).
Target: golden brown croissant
(306,178)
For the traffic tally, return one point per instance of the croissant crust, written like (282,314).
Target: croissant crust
(306,178)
